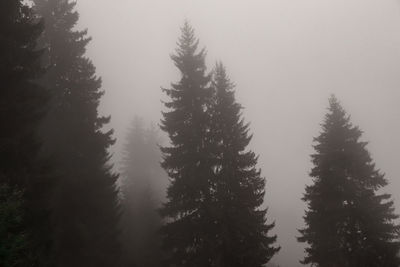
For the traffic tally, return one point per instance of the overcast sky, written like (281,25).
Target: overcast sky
(285,56)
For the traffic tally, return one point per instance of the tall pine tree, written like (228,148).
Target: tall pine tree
(243,235)
(187,238)
(23,104)
(348,221)
(85,204)
(141,176)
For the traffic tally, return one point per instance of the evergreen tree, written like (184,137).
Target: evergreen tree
(348,222)
(23,104)
(242,239)
(187,233)
(141,196)
(85,205)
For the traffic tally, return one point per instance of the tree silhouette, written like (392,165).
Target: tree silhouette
(187,241)
(23,103)
(243,235)
(86,210)
(348,222)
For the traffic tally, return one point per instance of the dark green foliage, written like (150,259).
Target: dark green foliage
(85,203)
(187,235)
(141,196)
(23,104)
(14,249)
(348,222)
(242,238)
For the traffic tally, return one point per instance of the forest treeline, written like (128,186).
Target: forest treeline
(196,199)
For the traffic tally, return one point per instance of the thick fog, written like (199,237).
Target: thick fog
(286,58)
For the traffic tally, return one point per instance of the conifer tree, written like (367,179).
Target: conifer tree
(187,238)
(243,235)
(141,197)
(23,103)
(349,222)
(85,205)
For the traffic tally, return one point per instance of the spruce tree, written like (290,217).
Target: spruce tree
(349,222)
(187,238)
(86,211)
(23,103)
(140,179)
(243,235)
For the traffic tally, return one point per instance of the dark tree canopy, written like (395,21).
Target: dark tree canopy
(85,204)
(23,103)
(141,179)
(348,221)
(243,235)
(187,159)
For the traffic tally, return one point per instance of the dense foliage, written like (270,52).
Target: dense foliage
(213,209)
(187,237)
(86,211)
(242,238)
(349,222)
(14,245)
(23,103)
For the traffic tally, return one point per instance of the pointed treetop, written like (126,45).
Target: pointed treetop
(221,79)
(334,104)
(337,115)
(220,70)
(188,33)
(188,42)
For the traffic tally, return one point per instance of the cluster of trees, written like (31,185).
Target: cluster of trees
(213,214)
(58,192)
(59,202)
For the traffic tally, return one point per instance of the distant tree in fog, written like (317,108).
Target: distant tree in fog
(23,103)
(141,187)
(243,236)
(85,213)
(348,223)
(188,238)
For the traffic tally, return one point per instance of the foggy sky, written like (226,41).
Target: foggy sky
(285,56)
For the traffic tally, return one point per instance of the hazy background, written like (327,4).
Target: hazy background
(286,57)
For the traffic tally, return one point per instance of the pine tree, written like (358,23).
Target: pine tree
(348,221)
(86,210)
(141,176)
(243,235)
(187,238)
(23,103)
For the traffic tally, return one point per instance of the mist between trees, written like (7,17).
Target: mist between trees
(194,198)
